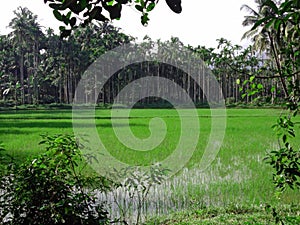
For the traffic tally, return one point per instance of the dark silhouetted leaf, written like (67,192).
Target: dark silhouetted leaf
(65,19)
(55,6)
(122,1)
(139,8)
(83,4)
(96,14)
(114,11)
(73,21)
(65,33)
(175,5)
(69,3)
(76,8)
(284,138)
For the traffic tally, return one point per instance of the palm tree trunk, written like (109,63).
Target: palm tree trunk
(21,64)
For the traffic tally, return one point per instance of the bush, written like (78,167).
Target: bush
(50,189)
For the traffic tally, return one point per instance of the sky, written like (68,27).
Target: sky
(200,23)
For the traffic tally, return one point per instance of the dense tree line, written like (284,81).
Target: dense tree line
(38,67)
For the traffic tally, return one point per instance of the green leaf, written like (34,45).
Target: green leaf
(69,14)
(245,82)
(238,81)
(277,24)
(150,6)
(252,78)
(273,89)
(110,3)
(142,3)
(145,19)
(62,28)
(260,22)
(272,5)
(286,6)
(260,86)
(253,86)
(269,23)
(253,92)
(57,15)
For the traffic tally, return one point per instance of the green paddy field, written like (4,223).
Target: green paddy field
(238,177)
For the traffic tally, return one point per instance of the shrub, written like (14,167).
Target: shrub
(50,188)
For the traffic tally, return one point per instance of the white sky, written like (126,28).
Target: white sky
(200,23)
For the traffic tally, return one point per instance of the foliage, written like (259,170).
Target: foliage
(286,160)
(50,189)
(69,11)
(278,26)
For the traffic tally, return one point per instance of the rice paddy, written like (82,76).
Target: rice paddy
(237,176)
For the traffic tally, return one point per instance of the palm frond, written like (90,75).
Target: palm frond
(249,9)
(249,20)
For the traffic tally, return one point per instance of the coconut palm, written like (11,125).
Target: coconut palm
(264,36)
(260,35)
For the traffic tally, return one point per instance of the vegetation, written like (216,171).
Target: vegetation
(49,189)
(232,215)
(85,11)
(40,68)
(276,32)
(237,177)
(37,67)
(27,125)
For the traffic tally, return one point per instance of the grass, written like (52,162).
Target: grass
(230,215)
(237,176)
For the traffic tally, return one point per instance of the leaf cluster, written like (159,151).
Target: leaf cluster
(286,160)
(82,12)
